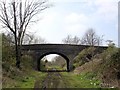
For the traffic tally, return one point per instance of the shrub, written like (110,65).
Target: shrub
(115,60)
(7,50)
(85,56)
(109,57)
(27,62)
(110,66)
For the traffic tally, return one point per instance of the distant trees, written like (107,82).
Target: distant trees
(71,40)
(60,61)
(16,17)
(32,39)
(91,38)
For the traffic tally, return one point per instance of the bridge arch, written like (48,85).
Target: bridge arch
(47,53)
(67,51)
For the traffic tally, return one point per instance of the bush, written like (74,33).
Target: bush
(7,50)
(85,56)
(109,57)
(8,54)
(115,60)
(110,66)
(27,62)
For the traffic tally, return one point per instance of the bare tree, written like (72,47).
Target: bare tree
(91,38)
(39,40)
(71,40)
(32,39)
(76,40)
(17,15)
(28,38)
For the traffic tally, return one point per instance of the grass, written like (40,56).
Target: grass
(26,81)
(30,80)
(55,67)
(84,80)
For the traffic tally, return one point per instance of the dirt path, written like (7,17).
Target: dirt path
(52,80)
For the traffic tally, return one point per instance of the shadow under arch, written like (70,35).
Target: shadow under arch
(64,56)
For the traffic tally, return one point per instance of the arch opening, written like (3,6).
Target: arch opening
(59,63)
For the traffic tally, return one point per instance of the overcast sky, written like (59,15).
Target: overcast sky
(74,17)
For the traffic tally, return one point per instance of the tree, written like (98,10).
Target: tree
(76,40)
(16,16)
(91,38)
(71,40)
(32,39)
(39,40)
(46,62)
(60,61)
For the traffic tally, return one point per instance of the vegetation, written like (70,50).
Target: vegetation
(105,66)
(91,38)
(32,39)
(60,62)
(71,40)
(13,77)
(83,80)
(84,56)
(57,63)
(110,66)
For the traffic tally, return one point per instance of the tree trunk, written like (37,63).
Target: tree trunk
(17,53)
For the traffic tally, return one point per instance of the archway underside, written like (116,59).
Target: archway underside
(48,53)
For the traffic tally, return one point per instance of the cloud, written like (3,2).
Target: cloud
(107,10)
(96,14)
(48,18)
(75,22)
(75,18)
(75,28)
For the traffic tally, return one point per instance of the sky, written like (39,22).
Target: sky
(75,17)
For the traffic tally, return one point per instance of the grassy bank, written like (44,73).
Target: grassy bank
(105,66)
(26,80)
(83,80)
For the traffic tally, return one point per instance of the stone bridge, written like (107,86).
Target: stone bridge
(67,51)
